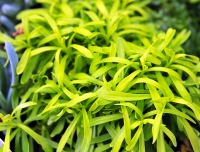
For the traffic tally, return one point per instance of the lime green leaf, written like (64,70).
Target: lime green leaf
(43,49)
(102,8)
(124,83)
(58,128)
(181,89)
(156,125)
(127,126)
(83,50)
(102,148)
(84,76)
(187,70)
(52,102)
(191,134)
(83,31)
(104,119)
(132,106)
(39,139)
(86,141)
(86,123)
(23,61)
(161,142)
(103,70)
(114,9)
(29,69)
(81,98)
(93,16)
(135,138)
(118,143)
(189,104)
(142,142)
(23,105)
(167,91)
(121,96)
(100,139)
(67,133)
(167,70)
(6,146)
(169,134)
(67,10)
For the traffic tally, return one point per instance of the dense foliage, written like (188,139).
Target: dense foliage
(179,15)
(99,76)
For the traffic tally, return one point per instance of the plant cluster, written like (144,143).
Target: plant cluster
(179,15)
(98,76)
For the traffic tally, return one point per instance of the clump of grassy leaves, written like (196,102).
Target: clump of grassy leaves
(96,76)
(179,15)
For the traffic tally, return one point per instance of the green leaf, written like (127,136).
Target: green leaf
(162,80)
(102,148)
(132,106)
(191,135)
(119,140)
(39,139)
(67,133)
(27,73)
(112,132)
(67,10)
(83,31)
(181,89)
(86,123)
(190,105)
(100,139)
(18,142)
(142,142)
(103,119)
(127,80)
(25,141)
(161,142)
(83,50)
(58,128)
(156,125)
(43,49)
(135,138)
(53,25)
(169,134)
(121,96)
(187,70)
(102,8)
(23,105)
(81,98)
(127,126)
(6,146)
(86,141)
(114,9)
(167,70)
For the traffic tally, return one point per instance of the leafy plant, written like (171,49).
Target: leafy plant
(179,15)
(98,76)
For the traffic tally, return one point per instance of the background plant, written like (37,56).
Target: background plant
(8,11)
(179,15)
(96,76)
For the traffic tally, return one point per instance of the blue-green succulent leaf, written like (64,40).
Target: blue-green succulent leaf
(13,58)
